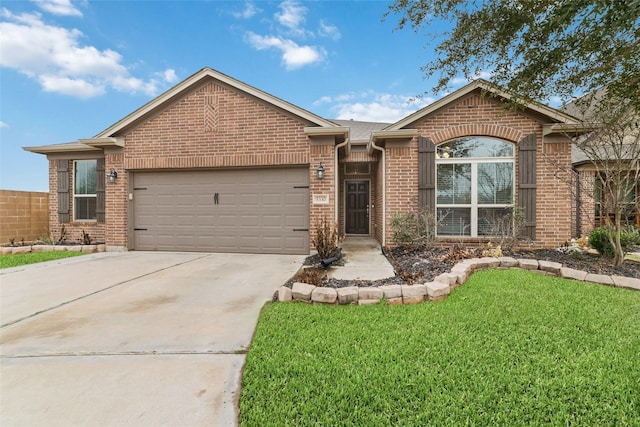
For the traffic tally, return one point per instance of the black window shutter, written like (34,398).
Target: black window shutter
(100,182)
(62,167)
(527,183)
(426,174)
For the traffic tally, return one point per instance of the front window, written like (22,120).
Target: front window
(84,190)
(474,185)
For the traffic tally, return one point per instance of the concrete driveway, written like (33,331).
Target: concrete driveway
(134,338)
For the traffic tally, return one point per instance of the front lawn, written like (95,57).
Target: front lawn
(510,347)
(15,260)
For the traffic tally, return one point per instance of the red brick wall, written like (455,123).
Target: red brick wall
(73,229)
(475,115)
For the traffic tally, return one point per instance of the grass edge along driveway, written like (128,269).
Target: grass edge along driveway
(510,347)
(15,260)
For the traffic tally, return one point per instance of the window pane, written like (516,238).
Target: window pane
(85,207)
(495,222)
(495,183)
(475,146)
(454,221)
(85,177)
(454,183)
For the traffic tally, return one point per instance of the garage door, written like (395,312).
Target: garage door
(247,210)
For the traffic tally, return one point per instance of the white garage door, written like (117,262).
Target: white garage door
(243,210)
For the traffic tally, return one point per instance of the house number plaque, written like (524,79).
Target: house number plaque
(320,199)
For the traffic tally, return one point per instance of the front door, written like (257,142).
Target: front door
(357,212)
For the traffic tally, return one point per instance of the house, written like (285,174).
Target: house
(214,164)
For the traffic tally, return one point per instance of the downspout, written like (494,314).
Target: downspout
(384,190)
(336,183)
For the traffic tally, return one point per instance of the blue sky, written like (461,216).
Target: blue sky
(70,69)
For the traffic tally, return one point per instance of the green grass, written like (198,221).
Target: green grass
(15,260)
(510,347)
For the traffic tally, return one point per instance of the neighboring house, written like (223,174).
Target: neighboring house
(605,158)
(214,164)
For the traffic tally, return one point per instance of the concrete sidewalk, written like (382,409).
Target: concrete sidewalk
(363,260)
(135,338)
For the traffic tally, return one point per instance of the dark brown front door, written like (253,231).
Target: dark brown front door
(357,211)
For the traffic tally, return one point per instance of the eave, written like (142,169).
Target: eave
(103,142)
(69,147)
(571,129)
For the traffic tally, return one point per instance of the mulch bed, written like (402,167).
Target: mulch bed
(420,265)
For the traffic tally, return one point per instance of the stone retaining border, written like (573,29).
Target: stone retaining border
(8,250)
(442,285)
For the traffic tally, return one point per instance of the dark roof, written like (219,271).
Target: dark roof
(360,131)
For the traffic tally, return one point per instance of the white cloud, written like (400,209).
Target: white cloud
(58,7)
(3,125)
(330,31)
(292,16)
(55,58)
(249,11)
(372,106)
(170,76)
(459,81)
(293,55)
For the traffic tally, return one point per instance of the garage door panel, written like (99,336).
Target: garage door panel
(256,210)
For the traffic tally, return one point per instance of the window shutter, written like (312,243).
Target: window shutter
(100,182)
(63,190)
(426,174)
(527,183)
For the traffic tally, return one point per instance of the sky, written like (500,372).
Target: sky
(70,69)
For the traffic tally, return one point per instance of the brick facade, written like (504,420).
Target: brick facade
(23,216)
(214,123)
(475,115)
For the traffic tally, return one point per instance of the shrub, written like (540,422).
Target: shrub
(327,239)
(414,228)
(599,239)
(311,276)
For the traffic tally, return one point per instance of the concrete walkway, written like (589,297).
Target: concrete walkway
(135,339)
(363,260)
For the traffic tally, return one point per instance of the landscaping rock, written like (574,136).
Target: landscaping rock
(368,301)
(413,294)
(601,279)
(101,248)
(508,262)
(393,294)
(370,293)
(392,291)
(324,295)
(302,291)
(570,273)
(284,294)
(446,278)
(347,295)
(550,267)
(59,248)
(488,262)
(88,248)
(528,264)
(437,291)
(21,250)
(626,282)
(76,248)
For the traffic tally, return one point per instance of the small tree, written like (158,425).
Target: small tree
(327,239)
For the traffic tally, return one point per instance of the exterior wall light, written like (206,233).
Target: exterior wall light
(112,176)
(320,171)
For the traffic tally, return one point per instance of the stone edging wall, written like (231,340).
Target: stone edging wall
(7,250)
(442,285)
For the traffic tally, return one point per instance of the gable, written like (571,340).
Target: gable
(195,81)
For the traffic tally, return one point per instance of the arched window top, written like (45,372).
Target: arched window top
(474,146)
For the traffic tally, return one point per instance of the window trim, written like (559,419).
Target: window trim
(474,206)
(83,196)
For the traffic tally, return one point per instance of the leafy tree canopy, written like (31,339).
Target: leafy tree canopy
(535,48)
